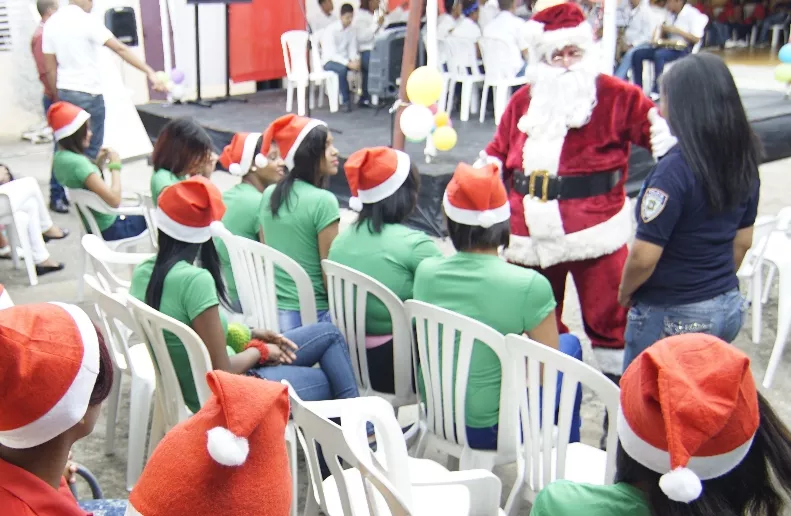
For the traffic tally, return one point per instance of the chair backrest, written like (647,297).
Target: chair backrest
(102,256)
(762,229)
(496,55)
(84,201)
(315,51)
(439,333)
(151,221)
(314,427)
(253,265)
(528,358)
(348,293)
(700,29)
(153,325)
(117,323)
(462,57)
(295,52)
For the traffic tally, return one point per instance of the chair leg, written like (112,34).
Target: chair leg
(81,270)
(21,225)
(770,277)
(139,409)
(756,305)
(783,327)
(466,100)
(289,96)
(112,412)
(514,502)
(311,505)
(451,97)
(157,428)
(443,98)
(301,87)
(333,86)
(485,100)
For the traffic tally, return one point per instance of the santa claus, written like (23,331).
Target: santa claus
(563,147)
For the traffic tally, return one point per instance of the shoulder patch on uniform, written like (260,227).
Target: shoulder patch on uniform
(654,201)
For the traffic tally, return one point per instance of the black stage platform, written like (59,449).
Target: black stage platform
(769,113)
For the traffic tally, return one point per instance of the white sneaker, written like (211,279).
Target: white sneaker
(730,43)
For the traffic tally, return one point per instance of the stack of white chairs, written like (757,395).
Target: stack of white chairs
(499,76)
(16,222)
(463,68)
(298,78)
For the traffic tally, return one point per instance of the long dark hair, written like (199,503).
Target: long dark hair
(76,142)
(747,490)
(307,167)
(706,114)
(172,251)
(468,238)
(181,146)
(104,378)
(394,209)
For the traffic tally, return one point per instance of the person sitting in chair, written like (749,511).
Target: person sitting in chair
(339,51)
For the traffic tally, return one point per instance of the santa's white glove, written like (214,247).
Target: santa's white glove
(662,140)
(484,159)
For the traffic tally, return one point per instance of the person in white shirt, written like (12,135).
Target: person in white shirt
(324,18)
(339,51)
(642,23)
(366,25)
(468,27)
(509,28)
(71,42)
(448,20)
(489,12)
(684,24)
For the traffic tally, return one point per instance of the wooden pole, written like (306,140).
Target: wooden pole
(407,65)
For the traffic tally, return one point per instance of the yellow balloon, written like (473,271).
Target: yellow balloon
(783,73)
(445,138)
(424,86)
(441,119)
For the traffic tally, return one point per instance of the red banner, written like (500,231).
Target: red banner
(256,54)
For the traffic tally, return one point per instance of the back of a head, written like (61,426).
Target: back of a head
(706,114)
(181,146)
(505,5)
(44,6)
(346,9)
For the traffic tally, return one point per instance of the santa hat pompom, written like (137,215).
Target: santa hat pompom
(486,219)
(226,448)
(235,169)
(261,161)
(355,204)
(681,485)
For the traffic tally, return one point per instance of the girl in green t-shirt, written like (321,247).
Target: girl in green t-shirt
(298,216)
(384,185)
(73,169)
(182,149)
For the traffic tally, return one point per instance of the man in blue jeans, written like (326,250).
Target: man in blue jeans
(339,51)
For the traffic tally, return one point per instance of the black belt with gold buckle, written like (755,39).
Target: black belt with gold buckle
(539,184)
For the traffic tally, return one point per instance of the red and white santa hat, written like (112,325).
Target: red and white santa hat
(554,25)
(689,410)
(374,174)
(5,298)
(49,361)
(476,196)
(229,458)
(186,210)
(288,132)
(65,119)
(239,156)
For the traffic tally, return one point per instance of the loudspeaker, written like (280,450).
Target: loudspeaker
(123,24)
(384,66)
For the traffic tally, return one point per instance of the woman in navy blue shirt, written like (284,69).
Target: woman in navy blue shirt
(695,213)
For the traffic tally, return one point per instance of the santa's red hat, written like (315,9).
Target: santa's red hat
(239,156)
(288,132)
(49,362)
(5,298)
(375,174)
(476,197)
(556,25)
(65,119)
(229,458)
(689,410)
(186,210)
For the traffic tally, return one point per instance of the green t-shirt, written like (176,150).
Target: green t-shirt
(188,292)
(72,170)
(160,180)
(390,257)
(508,298)
(295,233)
(241,218)
(564,498)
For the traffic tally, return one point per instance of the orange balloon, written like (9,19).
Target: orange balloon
(441,119)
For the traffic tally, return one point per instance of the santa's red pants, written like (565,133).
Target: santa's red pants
(597,282)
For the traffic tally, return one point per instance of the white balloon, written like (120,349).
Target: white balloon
(417,122)
(177,92)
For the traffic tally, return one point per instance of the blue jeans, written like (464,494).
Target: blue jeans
(486,438)
(721,316)
(766,25)
(718,33)
(365,58)
(343,81)
(125,226)
(290,319)
(626,61)
(104,507)
(659,56)
(321,344)
(56,191)
(94,105)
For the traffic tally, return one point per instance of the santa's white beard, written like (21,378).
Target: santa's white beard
(560,98)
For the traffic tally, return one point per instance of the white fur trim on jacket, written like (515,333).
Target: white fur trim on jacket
(609,360)
(599,240)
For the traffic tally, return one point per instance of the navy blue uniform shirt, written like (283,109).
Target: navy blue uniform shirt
(673,212)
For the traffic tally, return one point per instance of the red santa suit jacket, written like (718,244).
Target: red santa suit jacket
(547,233)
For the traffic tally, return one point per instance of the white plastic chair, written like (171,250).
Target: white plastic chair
(387,482)
(539,465)
(778,30)
(752,272)
(253,265)
(499,75)
(295,56)
(150,209)
(441,426)
(84,201)
(322,78)
(133,360)
(348,291)
(101,257)
(16,227)
(463,68)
